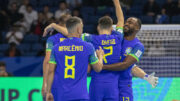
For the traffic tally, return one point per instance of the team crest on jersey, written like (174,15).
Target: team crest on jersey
(128,50)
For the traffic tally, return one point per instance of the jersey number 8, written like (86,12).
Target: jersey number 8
(69,67)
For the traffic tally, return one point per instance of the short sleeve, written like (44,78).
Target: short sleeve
(93,59)
(119,29)
(137,51)
(86,37)
(52,58)
(49,44)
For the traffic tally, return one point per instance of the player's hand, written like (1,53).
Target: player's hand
(44,89)
(48,29)
(100,52)
(152,79)
(49,97)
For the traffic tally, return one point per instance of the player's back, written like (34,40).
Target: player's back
(111,45)
(134,48)
(72,61)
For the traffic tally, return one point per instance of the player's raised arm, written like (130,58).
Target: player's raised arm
(133,57)
(119,14)
(58,28)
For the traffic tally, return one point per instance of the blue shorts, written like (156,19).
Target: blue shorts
(79,100)
(54,93)
(125,92)
(103,91)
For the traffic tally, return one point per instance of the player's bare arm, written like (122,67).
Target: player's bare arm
(119,14)
(58,28)
(98,66)
(45,72)
(50,80)
(129,60)
(138,72)
(89,68)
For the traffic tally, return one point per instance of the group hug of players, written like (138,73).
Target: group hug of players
(109,57)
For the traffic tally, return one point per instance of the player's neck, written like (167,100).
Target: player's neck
(131,37)
(70,35)
(102,32)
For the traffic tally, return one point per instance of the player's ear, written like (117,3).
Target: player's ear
(79,29)
(98,28)
(137,28)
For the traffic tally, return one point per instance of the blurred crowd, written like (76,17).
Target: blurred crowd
(26,19)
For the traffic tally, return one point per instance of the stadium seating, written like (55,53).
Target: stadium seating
(146,19)
(31,38)
(37,47)
(89,28)
(176,19)
(3,47)
(24,47)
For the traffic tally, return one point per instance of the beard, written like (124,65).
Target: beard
(128,31)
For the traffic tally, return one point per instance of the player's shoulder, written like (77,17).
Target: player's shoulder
(86,44)
(59,35)
(139,44)
(114,32)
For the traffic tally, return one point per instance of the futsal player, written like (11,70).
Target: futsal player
(72,57)
(132,51)
(52,41)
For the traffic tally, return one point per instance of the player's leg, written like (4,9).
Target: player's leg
(125,92)
(111,92)
(96,91)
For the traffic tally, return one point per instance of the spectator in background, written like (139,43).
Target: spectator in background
(23,7)
(156,49)
(22,24)
(13,13)
(12,51)
(151,8)
(162,18)
(39,26)
(18,2)
(169,8)
(3,20)
(3,72)
(30,16)
(47,13)
(62,10)
(74,3)
(14,36)
(76,12)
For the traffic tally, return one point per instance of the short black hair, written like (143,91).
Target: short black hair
(138,22)
(105,22)
(2,64)
(72,22)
